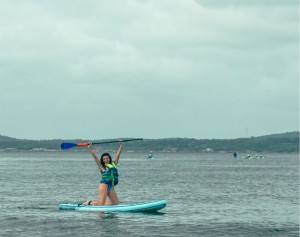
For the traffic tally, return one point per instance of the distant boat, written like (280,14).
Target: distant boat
(254,157)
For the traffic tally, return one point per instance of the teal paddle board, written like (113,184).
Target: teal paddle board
(138,207)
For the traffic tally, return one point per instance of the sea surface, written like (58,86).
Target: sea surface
(208,194)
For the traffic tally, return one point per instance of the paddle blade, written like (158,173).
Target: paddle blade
(64,146)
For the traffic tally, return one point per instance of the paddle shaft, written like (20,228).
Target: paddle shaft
(124,140)
(70,145)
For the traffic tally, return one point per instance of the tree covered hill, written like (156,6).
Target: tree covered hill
(284,142)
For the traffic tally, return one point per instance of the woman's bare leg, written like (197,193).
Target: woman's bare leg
(102,194)
(113,198)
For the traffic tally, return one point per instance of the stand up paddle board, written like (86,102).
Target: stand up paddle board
(138,207)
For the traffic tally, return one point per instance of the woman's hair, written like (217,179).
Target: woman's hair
(101,159)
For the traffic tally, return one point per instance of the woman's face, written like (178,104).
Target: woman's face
(106,159)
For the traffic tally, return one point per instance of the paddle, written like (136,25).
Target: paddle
(67,145)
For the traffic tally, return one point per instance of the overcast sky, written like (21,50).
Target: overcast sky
(99,69)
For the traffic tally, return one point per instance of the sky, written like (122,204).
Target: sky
(100,69)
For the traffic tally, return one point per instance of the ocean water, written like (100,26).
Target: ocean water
(208,194)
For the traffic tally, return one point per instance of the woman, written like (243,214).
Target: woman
(109,179)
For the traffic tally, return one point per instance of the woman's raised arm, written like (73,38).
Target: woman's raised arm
(95,157)
(116,160)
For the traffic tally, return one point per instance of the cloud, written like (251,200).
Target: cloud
(148,69)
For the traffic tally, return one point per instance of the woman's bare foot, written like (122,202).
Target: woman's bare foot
(86,203)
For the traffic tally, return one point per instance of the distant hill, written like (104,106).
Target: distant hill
(290,135)
(7,139)
(284,142)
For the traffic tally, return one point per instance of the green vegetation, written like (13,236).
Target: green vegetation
(285,142)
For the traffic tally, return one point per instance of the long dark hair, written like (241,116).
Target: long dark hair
(101,159)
